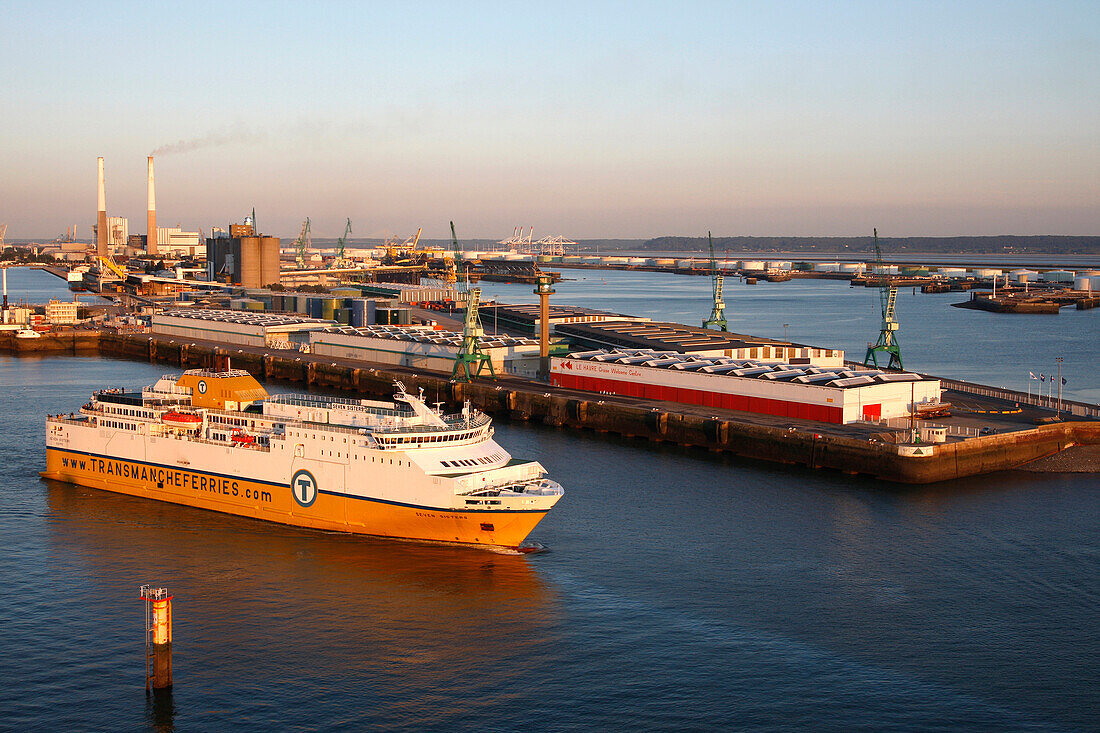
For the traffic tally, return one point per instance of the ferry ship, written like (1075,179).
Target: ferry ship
(217,440)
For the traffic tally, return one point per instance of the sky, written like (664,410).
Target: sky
(588,119)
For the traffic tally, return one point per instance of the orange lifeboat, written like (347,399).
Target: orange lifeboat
(240,437)
(180,419)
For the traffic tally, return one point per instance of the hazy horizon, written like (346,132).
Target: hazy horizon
(587,120)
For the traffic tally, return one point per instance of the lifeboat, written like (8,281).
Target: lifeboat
(180,419)
(240,437)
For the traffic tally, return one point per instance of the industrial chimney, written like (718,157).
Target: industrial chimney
(151,237)
(101,218)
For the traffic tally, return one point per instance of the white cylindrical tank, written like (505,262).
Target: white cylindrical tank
(953,272)
(852,267)
(1058,276)
(1082,283)
(664,262)
(753,265)
(778,265)
(827,267)
(984,272)
(685,264)
(636,261)
(1022,275)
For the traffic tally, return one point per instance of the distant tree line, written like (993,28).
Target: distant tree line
(1006,244)
(13,254)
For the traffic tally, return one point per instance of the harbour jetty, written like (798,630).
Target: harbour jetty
(805,444)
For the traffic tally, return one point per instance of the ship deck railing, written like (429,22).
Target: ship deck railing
(528,487)
(342,403)
(452,423)
(67,420)
(221,443)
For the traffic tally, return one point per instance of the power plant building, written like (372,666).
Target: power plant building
(118,231)
(174,241)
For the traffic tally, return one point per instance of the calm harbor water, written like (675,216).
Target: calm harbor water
(681,590)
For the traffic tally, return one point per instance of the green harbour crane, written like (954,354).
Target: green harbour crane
(887,343)
(302,243)
(718,313)
(340,261)
(470,360)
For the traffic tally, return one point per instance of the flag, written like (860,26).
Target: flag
(1042,377)
(1032,375)
(1064,382)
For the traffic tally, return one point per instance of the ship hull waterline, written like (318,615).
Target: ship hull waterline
(273,502)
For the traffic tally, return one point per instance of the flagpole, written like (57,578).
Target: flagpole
(1059,360)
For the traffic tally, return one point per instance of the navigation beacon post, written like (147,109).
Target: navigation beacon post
(544,291)
(158,639)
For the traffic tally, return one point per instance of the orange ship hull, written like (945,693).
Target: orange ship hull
(274,502)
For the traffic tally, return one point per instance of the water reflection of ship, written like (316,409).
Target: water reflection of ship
(303,598)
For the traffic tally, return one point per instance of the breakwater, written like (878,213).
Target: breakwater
(521,400)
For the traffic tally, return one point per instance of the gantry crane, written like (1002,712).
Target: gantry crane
(302,243)
(470,359)
(718,313)
(888,334)
(339,261)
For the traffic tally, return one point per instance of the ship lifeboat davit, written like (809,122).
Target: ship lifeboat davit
(240,437)
(180,419)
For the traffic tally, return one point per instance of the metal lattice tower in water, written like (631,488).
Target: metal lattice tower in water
(718,313)
(888,334)
(471,359)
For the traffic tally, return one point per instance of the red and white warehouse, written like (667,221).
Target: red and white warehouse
(827,394)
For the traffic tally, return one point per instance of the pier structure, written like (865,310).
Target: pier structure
(868,449)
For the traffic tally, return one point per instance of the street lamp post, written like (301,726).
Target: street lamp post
(785,331)
(1059,360)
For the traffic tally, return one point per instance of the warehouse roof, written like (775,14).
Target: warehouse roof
(841,377)
(530,313)
(425,335)
(664,336)
(245,318)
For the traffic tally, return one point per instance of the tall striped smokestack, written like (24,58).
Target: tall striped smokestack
(151,237)
(101,217)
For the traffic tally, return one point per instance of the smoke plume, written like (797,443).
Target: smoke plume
(214,139)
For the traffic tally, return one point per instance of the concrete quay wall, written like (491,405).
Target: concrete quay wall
(564,409)
(62,342)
